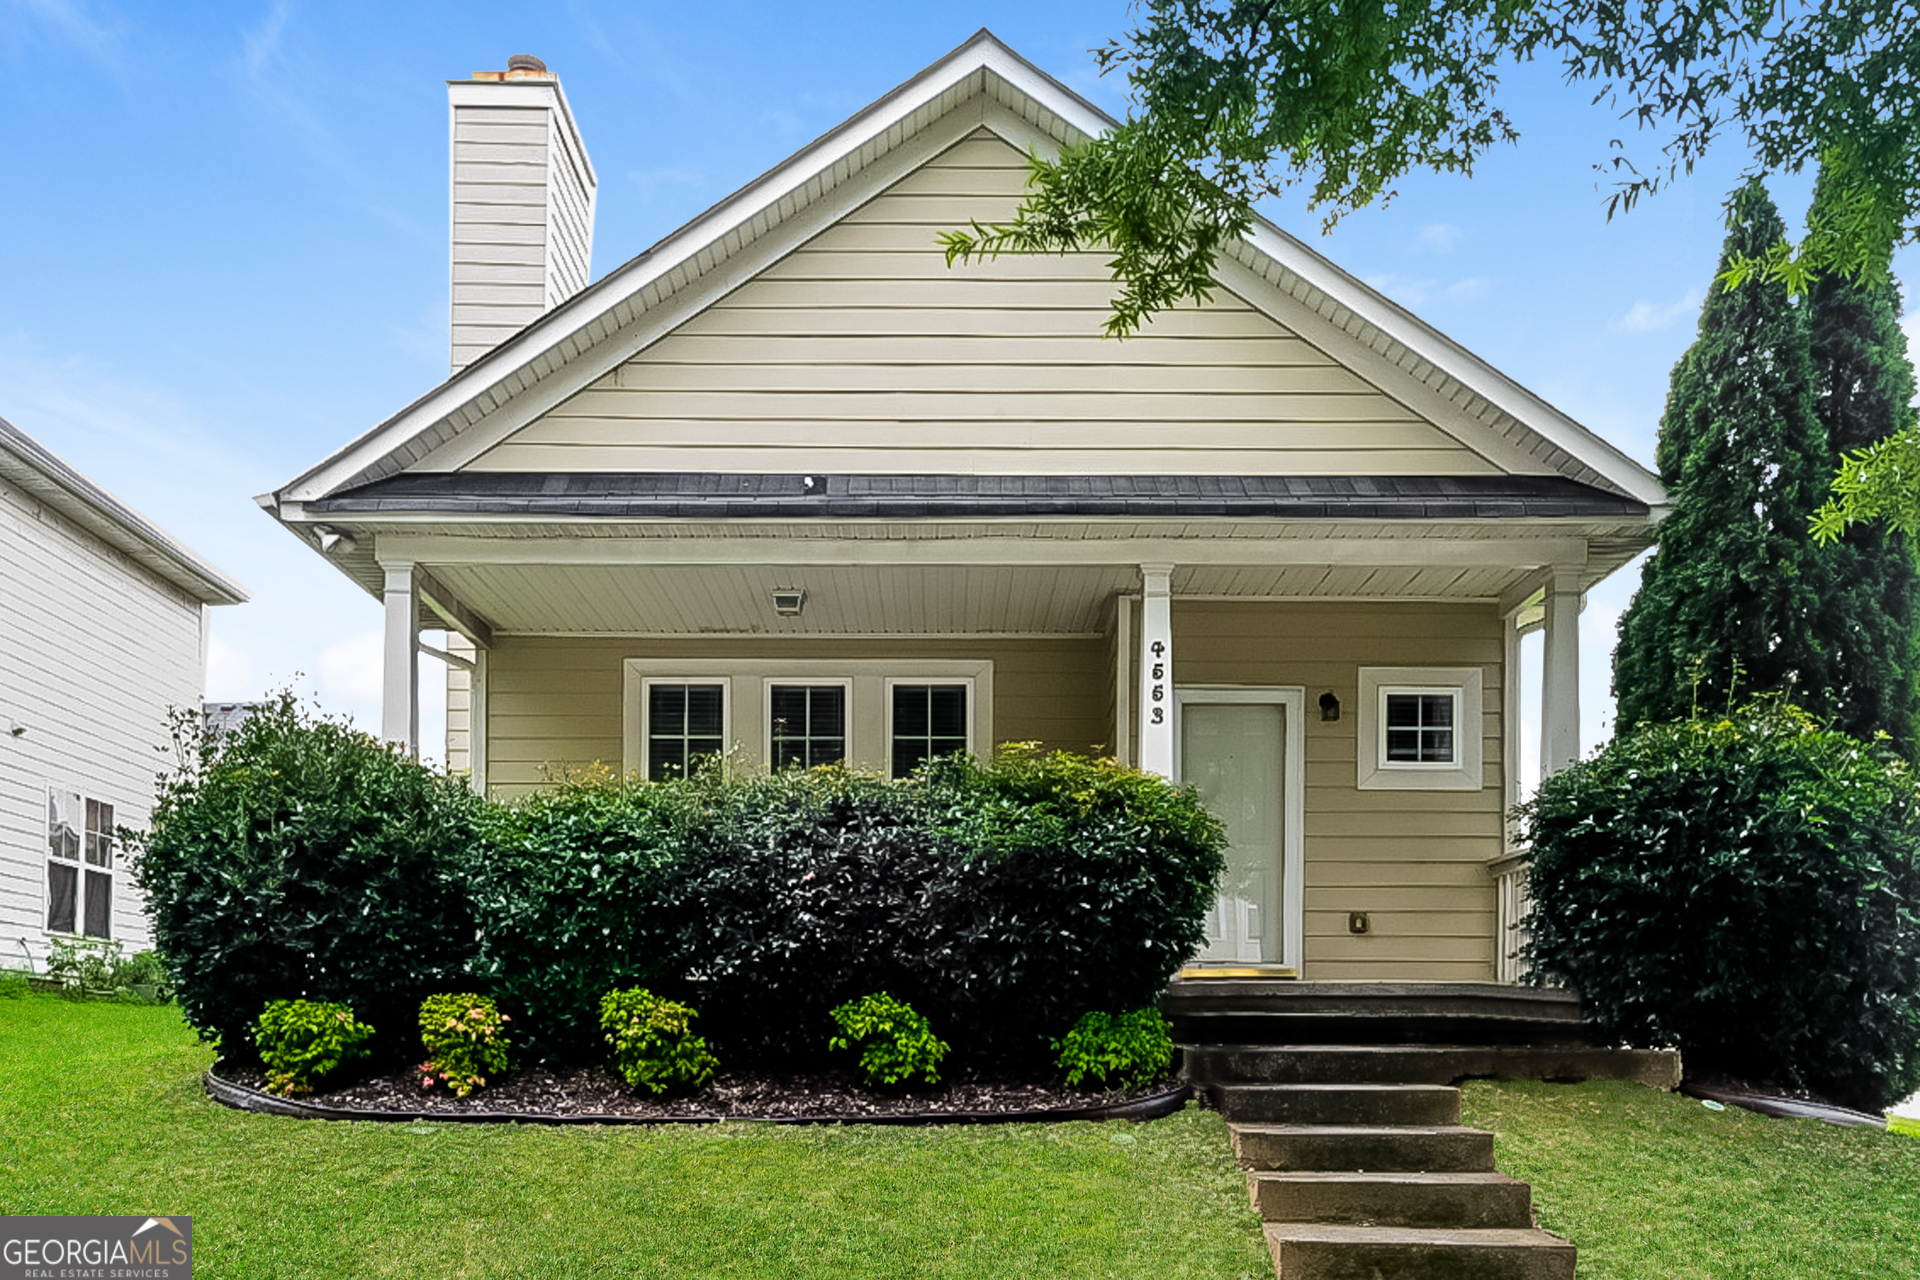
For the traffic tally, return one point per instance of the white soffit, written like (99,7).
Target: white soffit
(982,83)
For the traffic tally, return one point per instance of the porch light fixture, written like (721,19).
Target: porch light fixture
(1329,707)
(788,601)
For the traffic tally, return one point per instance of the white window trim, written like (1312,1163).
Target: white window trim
(805,681)
(1374,772)
(973,701)
(869,701)
(636,761)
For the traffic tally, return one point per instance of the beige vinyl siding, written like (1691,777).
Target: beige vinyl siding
(95,652)
(554,703)
(1414,860)
(864,352)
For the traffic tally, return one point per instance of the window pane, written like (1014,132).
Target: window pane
(64,818)
(947,714)
(703,710)
(63,886)
(1403,744)
(99,904)
(1403,711)
(1436,711)
(668,709)
(910,710)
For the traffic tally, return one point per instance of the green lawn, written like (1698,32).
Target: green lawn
(102,1111)
(1655,1185)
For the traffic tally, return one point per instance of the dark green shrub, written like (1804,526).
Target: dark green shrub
(465,1036)
(298,857)
(1744,887)
(568,890)
(301,1041)
(1134,1049)
(653,1042)
(895,1043)
(1072,884)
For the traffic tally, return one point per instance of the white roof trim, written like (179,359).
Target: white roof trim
(1471,397)
(39,472)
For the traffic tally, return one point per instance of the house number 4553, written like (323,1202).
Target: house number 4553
(1157,688)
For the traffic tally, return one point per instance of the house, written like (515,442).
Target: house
(787,484)
(104,634)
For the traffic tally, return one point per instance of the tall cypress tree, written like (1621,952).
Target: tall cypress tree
(1863,384)
(1728,603)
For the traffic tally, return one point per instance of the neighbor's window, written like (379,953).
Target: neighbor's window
(928,720)
(807,724)
(1419,727)
(79,865)
(684,722)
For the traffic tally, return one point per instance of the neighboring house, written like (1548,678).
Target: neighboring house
(786,483)
(103,632)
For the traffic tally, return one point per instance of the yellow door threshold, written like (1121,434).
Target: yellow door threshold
(1202,971)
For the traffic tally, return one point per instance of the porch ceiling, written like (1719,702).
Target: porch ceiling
(898,599)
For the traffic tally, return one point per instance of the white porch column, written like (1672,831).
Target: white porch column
(1560,674)
(400,660)
(1156,669)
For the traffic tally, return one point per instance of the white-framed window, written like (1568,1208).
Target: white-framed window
(682,719)
(801,729)
(926,717)
(80,864)
(1420,728)
(808,721)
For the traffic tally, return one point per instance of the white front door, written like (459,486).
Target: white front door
(1239,748)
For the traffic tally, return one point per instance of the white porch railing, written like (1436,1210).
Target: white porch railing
(1511,904)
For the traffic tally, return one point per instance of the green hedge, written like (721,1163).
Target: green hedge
(1745,887)
(299,859)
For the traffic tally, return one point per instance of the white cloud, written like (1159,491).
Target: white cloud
(1438,237)
(74,22)
(1471,289)
(229,672)
(1652,317)
(349,676)
(261,45)
(1405,290)
(1911,327)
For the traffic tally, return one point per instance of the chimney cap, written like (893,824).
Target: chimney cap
(525,62)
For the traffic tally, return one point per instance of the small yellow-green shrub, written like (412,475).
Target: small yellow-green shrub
(466,1041)
(302,1040)
(654,1047)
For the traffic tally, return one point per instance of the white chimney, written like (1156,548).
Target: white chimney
(522,203)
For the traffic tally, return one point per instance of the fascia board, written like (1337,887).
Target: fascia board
(1400,326)
(43,474)
(601,302)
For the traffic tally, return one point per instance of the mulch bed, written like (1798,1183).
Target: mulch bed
(541,1093)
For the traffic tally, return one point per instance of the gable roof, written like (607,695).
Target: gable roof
(981,82)
(35,470)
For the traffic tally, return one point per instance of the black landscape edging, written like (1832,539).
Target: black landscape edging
(245,1098)
(1787,1108)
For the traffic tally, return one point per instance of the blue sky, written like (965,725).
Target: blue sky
(223,250)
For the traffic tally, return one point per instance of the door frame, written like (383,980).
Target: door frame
(1292,699)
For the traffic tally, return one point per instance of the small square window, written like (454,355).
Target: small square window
(684,722)
(807,725)
(1420,728)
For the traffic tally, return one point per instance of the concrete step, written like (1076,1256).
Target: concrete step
(1312,1251)
(1458,1200)
(1209,1065)
(1337,1103)
(1363,1148)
